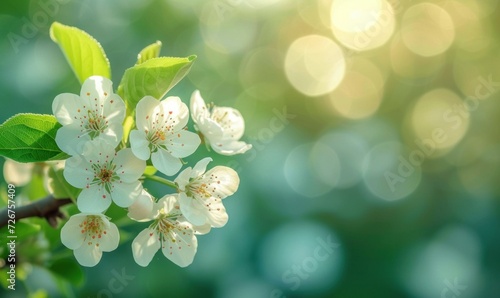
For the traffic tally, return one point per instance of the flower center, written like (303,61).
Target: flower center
(156,138)
(199,189)
(93,229)
(219,118)
(96,124)
(105,175)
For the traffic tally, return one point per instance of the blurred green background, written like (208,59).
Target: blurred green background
(373,124)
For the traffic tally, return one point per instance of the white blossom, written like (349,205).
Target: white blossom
(171,232)
(104,176)
(88,235)
(221,127)
(97,113)
(201,193)
(160,133)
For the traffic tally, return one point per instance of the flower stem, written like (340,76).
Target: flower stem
(161,180)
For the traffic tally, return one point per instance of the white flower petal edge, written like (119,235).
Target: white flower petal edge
(104,176)
(171,232)
(88,235)
(201,193)
(221,127)
(160,133)
(97,113)
(142,209)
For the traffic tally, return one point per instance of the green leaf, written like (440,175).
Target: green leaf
(154,77)
(83,52)
(30,138)
(69,270)
(149,52)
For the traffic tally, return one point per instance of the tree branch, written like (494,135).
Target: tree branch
(47,208)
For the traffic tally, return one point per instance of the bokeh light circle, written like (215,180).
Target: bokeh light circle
(354,15)
(427,29)
(362,24)
(314,65)
(312,169)
(452,257)
(390,172)
(229,34)
(440,120)
(312,247)
(351,149)
(360,93)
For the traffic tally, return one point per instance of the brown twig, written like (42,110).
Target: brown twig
(47,208)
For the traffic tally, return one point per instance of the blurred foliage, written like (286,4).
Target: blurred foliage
(320,162)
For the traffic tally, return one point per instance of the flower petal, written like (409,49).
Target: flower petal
(93,199)
(65,107)
(128,167)
(71,140)
(142,208)
(231,122)
(124,194)
(183,178)
(145,246)
(181,246)
(71,235)
(98,151)
(177,110)
(77,171)
(231,147)
(165,162)
(139,144)
(203,229)
(114,109)
(211,130)
(96,87)
(109,240)
(199,110)
(112,134)
(88,255)
(216,214)
(200,167)
(183,143)
(169,204)
(144,111)
(224,180)
(192,209)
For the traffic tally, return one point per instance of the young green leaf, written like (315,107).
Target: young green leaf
(154,77)
(149,52)
(30,138)
(83,52)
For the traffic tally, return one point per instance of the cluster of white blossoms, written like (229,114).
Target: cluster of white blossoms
(107,169)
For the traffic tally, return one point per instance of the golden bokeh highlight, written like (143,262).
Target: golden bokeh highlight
(354,15)
(360,94)
(427,29)
(440,119)
(314,65)
(362,25)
